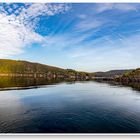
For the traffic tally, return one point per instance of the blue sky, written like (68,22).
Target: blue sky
(86,37)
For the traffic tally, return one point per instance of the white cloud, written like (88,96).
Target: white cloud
(66,40)
(120,53)
(91,20)
(16,29)
(126,7)
(88,24)
(14,36)
(82,16)
(36,10)
(115,6)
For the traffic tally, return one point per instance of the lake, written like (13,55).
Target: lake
(69,107)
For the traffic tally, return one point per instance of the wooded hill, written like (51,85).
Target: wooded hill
(133,76)
(112,73)
(30,69)
(20,68)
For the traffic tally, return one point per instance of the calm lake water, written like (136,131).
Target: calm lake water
(80,107)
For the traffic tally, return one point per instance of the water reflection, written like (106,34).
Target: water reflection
(133,85)
(23,82)
(81,107)
(8,83)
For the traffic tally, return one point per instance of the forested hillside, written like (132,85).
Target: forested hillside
(111,73)
(29,69)
(133,76)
